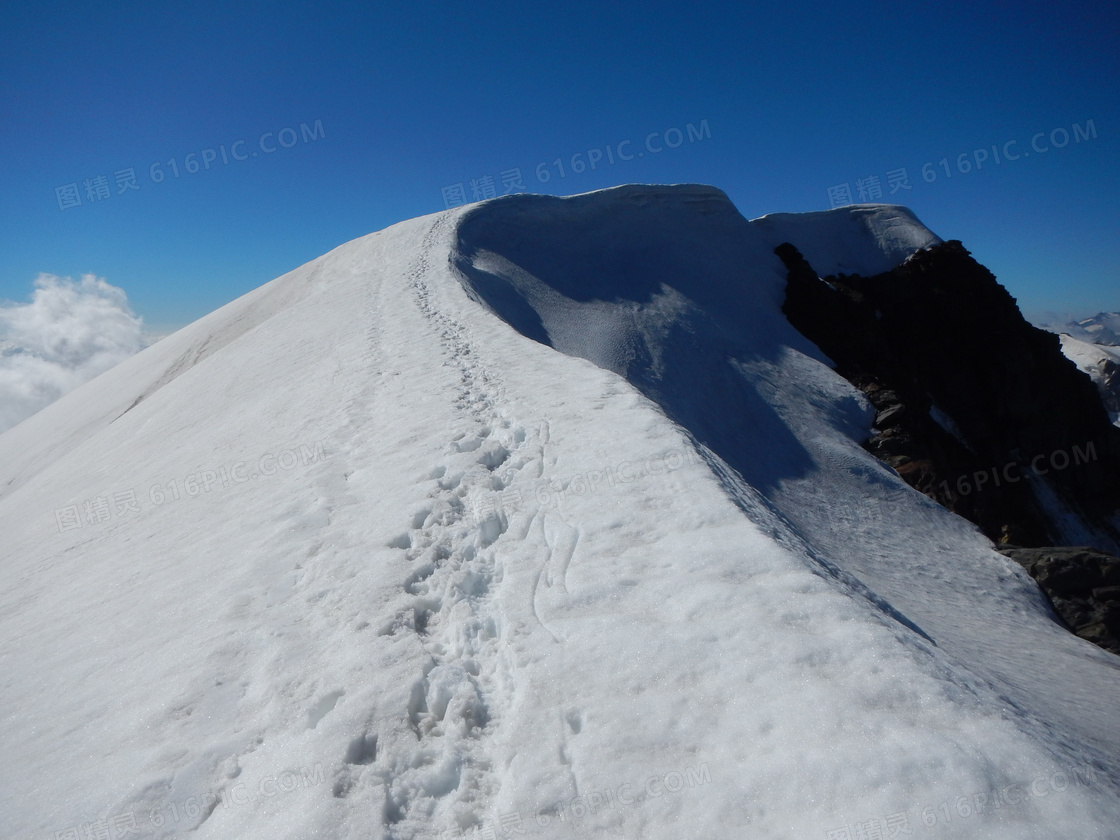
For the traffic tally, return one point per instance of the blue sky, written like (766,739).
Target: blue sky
(388,105)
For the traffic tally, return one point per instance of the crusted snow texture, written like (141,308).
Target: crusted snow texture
(536,515)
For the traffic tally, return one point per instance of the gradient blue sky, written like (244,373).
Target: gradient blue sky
(798,97)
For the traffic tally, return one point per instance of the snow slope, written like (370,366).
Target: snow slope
(536,518)
(1091,360)
(865,239)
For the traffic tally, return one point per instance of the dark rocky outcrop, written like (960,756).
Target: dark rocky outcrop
(976,408)
(1082,584)
(1110,385)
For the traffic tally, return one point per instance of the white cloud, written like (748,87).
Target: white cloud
(70,332)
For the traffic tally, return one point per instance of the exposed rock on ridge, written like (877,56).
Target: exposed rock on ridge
(1082,584)
(977,409)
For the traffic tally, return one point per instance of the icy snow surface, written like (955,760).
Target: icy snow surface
(862,239)
(533,517)
(1089,359)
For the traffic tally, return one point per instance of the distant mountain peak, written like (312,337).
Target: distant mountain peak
(1102,328)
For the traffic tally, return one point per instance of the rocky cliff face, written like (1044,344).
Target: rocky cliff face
(1083,586)
(1110,385)
(976,408)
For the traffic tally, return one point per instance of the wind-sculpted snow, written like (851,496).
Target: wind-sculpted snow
(662,288)
(864,239)
(648,586)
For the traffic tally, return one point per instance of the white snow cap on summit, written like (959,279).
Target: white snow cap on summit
(858,239)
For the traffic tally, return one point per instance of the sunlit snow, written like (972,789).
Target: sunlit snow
(533,517)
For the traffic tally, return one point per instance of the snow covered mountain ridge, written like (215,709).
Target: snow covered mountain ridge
(1102,328)
(1102,364)
(463,584)
(1092,344)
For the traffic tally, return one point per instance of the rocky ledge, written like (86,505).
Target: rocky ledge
(976,408)
(982,412)
(1083,585)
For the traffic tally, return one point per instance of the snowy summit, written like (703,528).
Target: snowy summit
(533,518)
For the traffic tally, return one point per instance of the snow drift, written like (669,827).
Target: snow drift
(532,518)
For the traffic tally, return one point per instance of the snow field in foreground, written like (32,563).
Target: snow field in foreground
(438,624)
